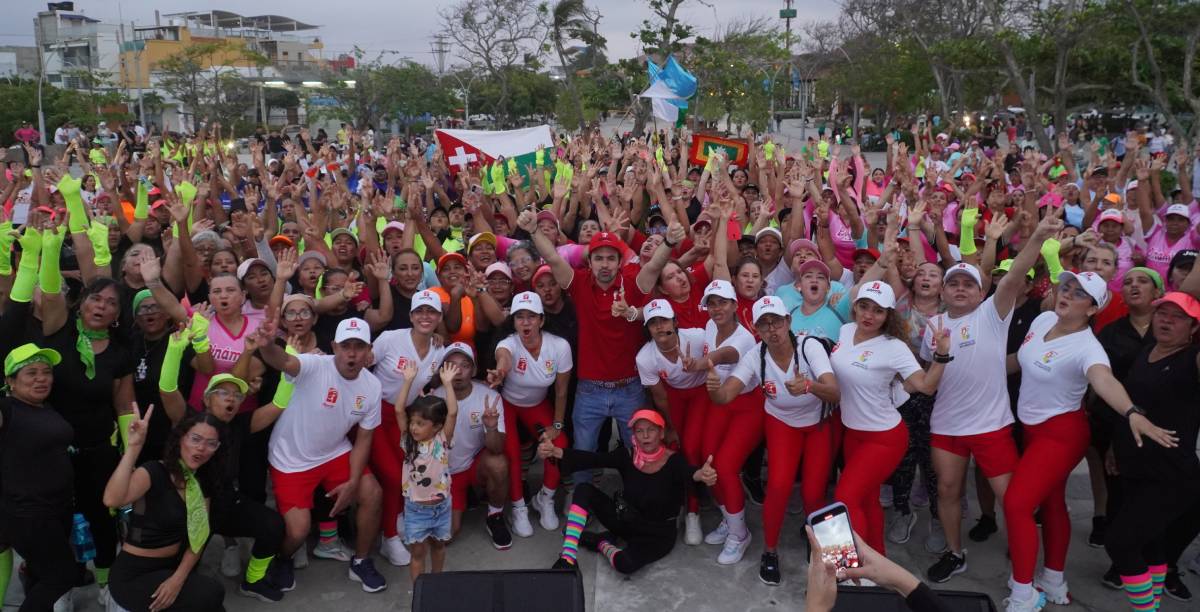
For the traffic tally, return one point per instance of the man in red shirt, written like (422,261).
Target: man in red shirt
(608,382)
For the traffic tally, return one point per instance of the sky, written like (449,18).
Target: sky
(403,27)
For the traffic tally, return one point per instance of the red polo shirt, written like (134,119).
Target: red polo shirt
(607,346)
(689,313)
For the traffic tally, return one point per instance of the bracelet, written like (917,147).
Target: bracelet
(938,358)
(558,425)
(1134,409)
(807,385)
(632,315)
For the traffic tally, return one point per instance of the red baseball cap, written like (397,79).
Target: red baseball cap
(872,252)
(1186,302)
(542,270)
(606,239)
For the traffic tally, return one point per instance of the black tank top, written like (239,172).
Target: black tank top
(159,518)
(1169,391)
(36,478)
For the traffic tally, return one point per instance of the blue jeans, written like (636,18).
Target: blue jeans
(594,403)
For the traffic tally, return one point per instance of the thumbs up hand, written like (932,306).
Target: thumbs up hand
(713,381)
(799,383)
(707,473)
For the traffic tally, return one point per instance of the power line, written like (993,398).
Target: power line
(440,47)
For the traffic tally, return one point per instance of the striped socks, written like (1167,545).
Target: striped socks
(328,531)
(576,521)
(1158,576)
(609,551)
(257,568)
(1140,591)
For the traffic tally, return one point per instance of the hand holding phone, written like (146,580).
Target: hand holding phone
(831,525)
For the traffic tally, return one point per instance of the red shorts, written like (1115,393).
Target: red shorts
(461,481)
(295,489)
(995,451)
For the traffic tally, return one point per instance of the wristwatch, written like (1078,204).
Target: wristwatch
(1134,409)
(558,425)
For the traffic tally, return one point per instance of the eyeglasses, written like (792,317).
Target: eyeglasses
(503,280)
(148,309)
(771,323)
(297,315)
(199,440)
(225,393)
(1077,293)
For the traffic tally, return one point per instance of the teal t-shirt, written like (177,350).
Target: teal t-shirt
(827,321)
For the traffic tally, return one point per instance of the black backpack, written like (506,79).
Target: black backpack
(827,408)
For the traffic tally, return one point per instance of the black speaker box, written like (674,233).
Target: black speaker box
(875,599)
(499,591)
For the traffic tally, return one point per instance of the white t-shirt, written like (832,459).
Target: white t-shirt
(972,396)
(795,410)
(393,350)
(653,367)
(1054,373)
(778,277)
(325,406)
(530,378)
(741,340)
(867,376)
(468,428)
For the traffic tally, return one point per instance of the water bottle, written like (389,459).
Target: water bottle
(81,540)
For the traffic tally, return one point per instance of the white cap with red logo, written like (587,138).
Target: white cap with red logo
(352,329)
(719,288)
(1092,283)
(459,347)
(426,297)
(527,300)
(878,292)
(768,304)
(658,309)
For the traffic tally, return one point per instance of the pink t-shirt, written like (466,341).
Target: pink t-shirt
(1159,250)
(573,253)
(225,348)
(426,476)
(1125,251)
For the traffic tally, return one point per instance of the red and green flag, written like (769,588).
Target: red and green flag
(736,151)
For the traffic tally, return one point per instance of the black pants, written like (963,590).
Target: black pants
(646,542)
(244,518)
(134,579)
(92,468)
(915,413)
(252,463)
(1138,535)
(44,543)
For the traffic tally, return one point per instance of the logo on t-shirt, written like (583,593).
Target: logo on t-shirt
(769,389)
(331,397)
(522,363)
(861,362)
(704,350)
(360,404)
(662,374)
(549,366)
(965,334)
(1028,337)
(401,363)
(476,419)
(1044,362)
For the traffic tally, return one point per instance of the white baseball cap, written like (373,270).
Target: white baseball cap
(1112,214)
(426,297)
(392,225)
(768,231)
(767,304)
(352,329)
(879,292)
(1179,209)
(459,347)
(963,268)
(658,309)
(719,288)
(1091,282)
(527,300)
(498,266)
(244,267)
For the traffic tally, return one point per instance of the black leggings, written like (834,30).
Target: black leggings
(1137,536)
(248,519)
(252,463)
(915,413)
(134,579)
(92,468)
(646,542)
(44,543)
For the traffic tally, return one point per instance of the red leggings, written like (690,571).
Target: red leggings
(787,446)
(871,457)
(1052,449)
(531,417)
(387,464)
(689,410)
(731,432)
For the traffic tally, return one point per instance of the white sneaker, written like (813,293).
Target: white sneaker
(692,534)
(547,515)
(231,561)
(1033,604)
(300,557)
(334,551)
(103,598)
(519,523)
(1054,593)
(885,495)
(734,550)
(718,535)
(65,603)
(394,551)
(795,505)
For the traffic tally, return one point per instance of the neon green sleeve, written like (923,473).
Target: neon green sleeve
(200,342)
(49,276)
(1049,252)
(98,235)
(498,179)
(283,393)
(485,181)
(540,158)
(966,234)
(69,188)
(141,210)
(123,422)
(168,378)
(27,270)
(6,242)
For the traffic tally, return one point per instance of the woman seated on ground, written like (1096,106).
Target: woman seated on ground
(654,481)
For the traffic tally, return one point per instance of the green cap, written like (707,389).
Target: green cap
(1006,265)
(342,231)
(29,353)
(226,378)
(140,297)
(1154,275)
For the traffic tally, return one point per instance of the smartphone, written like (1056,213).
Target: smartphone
(831,525)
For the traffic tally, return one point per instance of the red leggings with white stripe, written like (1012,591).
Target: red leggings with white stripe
(731,432)
(870,457)
(530,418)
(387,464)
(787,447)
(1052,449)
(689,410)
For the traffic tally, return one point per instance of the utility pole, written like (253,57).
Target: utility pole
(440,47)
(41,37)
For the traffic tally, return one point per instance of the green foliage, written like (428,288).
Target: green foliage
(738,74)
(529,93)
(198,76)
(382,92)
(59,106)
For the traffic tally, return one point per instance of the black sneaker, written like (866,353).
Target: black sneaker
(768,569)
(262,590)
(591,539)
(949,565)
(1099,529)
(754,489)
(1112,579)
(282,575)
(983,529)
(1175,588)
(563,564)
(496,528)
(363,571)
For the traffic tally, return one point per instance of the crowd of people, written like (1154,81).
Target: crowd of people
(334,349)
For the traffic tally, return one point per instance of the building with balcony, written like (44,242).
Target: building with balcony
(78,52)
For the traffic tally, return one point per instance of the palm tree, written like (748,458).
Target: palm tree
(572,20)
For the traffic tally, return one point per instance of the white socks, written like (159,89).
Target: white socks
(1054,577)
(497,510)
(1022,591)
(737,524)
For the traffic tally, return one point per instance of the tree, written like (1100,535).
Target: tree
(278,98)
(525,93)
(495,37)
(738,73)
(201,76)
(571,20)
(1157,22)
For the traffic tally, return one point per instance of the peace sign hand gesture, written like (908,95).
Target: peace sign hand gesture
(491,413)
(941,337)
(138,429)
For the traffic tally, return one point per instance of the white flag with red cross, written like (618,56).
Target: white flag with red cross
(463,149)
